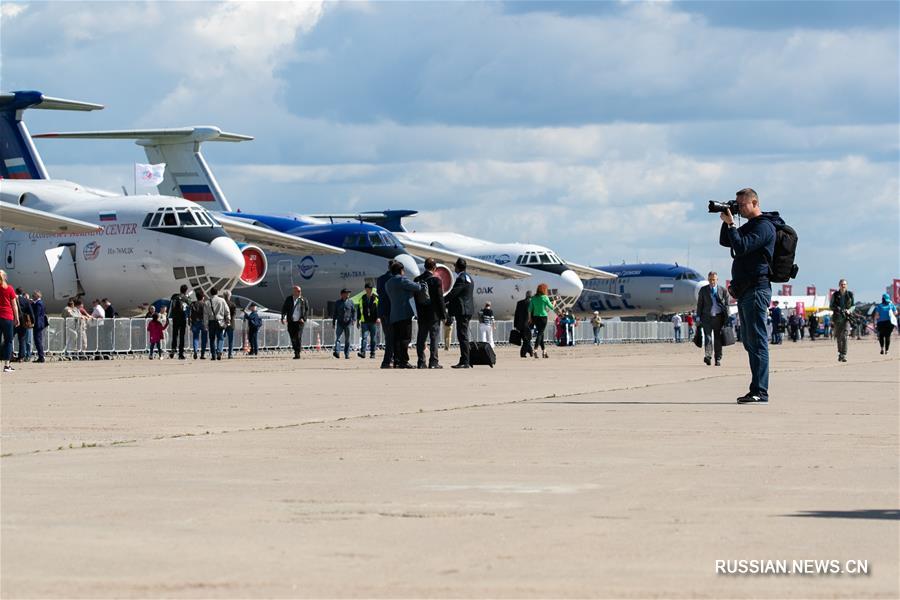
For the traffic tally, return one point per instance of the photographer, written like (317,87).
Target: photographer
(752,246)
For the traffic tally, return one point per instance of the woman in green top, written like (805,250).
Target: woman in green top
(537,313)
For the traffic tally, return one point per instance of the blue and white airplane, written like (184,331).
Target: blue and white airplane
(365,247)
(648,290)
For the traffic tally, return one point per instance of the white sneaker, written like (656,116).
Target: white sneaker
(8,369)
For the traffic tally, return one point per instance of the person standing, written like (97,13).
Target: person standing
(342,320)
(432,312)
(229,329)
(254,323)
(368,320)
(712,310)
(26,324)
(155,329)
(813,326)
(220,318)
(794,326)
(752,244)
(400,289)
(447,330)
(596,325)
(676,327)
(885,317)
(777,323)
(522,325)
(486,324)
(826,324)
(689,321)
(9,320)
(179,307)
(295,311)
(40,323)
(461,307)
(199,323)
(537,314)
(384,315)
(842,304)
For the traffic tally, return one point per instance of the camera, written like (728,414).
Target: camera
(720,207)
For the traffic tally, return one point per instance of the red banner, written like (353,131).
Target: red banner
(896,293)
(800,308)
(830,294)
(810,290)
(786,289)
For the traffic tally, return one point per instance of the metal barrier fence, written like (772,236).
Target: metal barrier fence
(83,337)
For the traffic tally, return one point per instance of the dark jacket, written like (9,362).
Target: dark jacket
(400,289)
(384,301)
(111,313)
(841,306)
(460,302)
(344,312)
(287,309)
(752,246)
(368,308)
(40,314)
(435,310)
(25,310)
(179,307)
(520,320)
(200,312)
(705,303)
(254,321)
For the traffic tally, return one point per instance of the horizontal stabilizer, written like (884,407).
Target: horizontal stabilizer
(269,239)
(32,99)
(586,273)
(391,219)
(474,266)
(13,216)
(177,135)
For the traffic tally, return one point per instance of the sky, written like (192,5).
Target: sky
(599,129)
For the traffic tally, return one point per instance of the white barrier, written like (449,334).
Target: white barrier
(75,338)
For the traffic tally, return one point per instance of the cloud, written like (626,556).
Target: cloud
(10,10)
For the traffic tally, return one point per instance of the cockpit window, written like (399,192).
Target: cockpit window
(376,240)
(169,217)
(187,217)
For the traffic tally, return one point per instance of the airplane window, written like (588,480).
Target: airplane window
(533,259)
(376,240)
(212,219)
(156,218)
(202,218)
(170,220)
(519,259)
(147,220)
(390,240)
(187,218)
(351,241)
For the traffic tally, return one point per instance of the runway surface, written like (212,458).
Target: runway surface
(613,471)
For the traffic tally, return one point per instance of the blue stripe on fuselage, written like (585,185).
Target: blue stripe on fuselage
(332,234)
(646,270)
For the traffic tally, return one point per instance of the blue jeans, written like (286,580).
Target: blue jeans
(368,329)
(216,338)
(229,338)
(753,307)
(198,337)
(252,333)
(677,334)
(341,329)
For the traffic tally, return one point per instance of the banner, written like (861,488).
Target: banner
(896,294)
(800,308)
(149,175)
(786,289)
(810,290)
(830,294)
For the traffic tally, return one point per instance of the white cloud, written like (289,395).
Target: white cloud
(10,10)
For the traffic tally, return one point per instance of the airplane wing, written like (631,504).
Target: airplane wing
(23,218)
(269,239)
(590,291)
(584,272)
(475,266)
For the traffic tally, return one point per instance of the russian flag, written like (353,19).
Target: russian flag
(667,288)
(197,193)
(108,216)
(16,168)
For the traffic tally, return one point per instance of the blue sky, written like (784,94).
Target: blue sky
(597,128)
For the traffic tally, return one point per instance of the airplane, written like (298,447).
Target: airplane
(540,263)
(69,240)
(366,246)
(649,290)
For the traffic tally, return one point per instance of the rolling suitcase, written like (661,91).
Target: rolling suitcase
(481,353)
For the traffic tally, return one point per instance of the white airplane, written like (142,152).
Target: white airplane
(540,263)
(641,290)
(68,240)
(367,246)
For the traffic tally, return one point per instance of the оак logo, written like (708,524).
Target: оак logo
(502,259)
(307,267)
(91,251)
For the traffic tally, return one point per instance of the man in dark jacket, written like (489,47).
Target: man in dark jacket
(842,303)
(40,323)
(461,306)
(520,322)
(368,321)
(384,314)
(25,330)
(712,310)
(400,289)
(431,314)
(752,247)
(179,307)
(295,311)
(342,320)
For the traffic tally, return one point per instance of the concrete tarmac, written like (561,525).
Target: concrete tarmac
(609,472)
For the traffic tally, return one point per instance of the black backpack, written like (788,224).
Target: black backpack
(781,266)
(423,297)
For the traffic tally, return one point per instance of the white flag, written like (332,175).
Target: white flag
(149,174)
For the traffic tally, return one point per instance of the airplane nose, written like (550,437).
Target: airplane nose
(571,285)
(226,260)
(409,265)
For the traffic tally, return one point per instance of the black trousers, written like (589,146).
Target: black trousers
(39,342)
(295,332)
(462,336)
(525,349)
(402,336)
(885,329)
(431,332)
(388,331)
(178,331)
(540,325)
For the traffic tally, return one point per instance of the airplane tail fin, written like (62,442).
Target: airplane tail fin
(187,174)
(19,159)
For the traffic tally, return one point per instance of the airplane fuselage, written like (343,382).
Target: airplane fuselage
(642,290)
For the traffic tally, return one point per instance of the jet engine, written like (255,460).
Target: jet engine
(446,275)
(255,265)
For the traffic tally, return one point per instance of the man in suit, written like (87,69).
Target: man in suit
(712,310)
(40,322)
(295,311)
(400,290)
(520,322)
(430,316)
(384,315)
(461,306)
